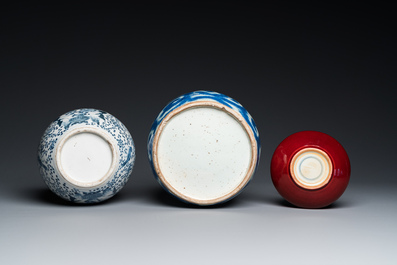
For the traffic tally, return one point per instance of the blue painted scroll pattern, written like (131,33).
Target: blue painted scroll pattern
(90,117)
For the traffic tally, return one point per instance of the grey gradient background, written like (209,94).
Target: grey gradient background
(294,67)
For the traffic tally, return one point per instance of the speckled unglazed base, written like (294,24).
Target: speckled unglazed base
(204,151)
(86,156)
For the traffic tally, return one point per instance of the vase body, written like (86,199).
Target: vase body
(310,169)
(86,156)
(204,148)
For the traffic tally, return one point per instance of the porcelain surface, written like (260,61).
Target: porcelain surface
(310,169)
(86,156)
(204,148)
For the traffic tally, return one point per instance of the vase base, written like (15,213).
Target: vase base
(86,157)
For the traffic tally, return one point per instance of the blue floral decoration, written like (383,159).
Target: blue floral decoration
(93,118)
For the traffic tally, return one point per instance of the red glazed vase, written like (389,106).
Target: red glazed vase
(310,169)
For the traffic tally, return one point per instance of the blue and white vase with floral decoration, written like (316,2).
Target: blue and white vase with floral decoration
(204,148)
(86,156)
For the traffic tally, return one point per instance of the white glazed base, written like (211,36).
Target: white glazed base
(86,157)
(311,168)
(204,153)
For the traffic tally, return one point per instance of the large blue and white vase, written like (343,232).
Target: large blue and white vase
(204,148)
(86,156)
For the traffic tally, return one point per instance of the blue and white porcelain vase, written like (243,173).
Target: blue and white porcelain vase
(86,156)
(204,148)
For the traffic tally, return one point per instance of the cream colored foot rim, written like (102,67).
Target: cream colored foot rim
(204,152)
(311,168)
(86,157)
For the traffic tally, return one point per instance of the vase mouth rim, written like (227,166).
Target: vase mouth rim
(251,141)
(107,157)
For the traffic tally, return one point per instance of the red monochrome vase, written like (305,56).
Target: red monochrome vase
(310,169)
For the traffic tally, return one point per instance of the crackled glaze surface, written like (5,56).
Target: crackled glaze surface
(204,147)
(72,185)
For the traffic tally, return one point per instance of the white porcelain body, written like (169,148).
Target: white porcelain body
(86,156)
(204,148)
